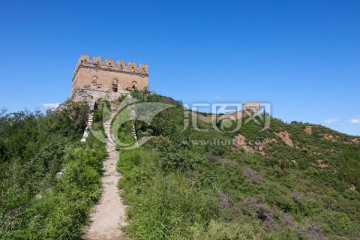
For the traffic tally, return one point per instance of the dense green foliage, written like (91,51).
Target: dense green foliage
(48,181)
(186,184)
(183,183)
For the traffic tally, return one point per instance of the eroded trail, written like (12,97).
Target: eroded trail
(109,214)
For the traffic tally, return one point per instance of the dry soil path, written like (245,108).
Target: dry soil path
(108,217)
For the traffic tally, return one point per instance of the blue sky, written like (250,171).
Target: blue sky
(303,57)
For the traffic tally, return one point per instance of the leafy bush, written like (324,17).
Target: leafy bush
(48,181)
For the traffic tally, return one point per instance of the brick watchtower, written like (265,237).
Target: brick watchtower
(109,80)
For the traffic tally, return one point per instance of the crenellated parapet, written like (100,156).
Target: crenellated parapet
(110,65)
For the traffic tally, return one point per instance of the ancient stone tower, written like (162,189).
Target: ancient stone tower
(95,79)
(253,107)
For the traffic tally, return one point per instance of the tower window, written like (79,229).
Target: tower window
(94,79)
(115,83)
(134,84)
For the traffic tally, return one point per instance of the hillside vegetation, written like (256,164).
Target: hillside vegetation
(291,181)
(48,181)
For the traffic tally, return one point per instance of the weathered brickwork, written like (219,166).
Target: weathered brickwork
(95,75)
(251,106)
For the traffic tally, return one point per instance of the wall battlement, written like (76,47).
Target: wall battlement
(109,65)
(251,106)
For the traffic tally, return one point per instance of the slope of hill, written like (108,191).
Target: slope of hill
(48,181)
(291,181)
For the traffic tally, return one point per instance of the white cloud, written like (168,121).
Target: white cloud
(50,105)
(217,97)
(330,121)
(355,120)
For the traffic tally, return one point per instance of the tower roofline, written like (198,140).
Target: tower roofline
(109,65)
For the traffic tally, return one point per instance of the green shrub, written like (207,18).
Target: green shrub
(49,185)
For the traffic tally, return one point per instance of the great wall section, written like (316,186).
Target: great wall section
(94,79)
